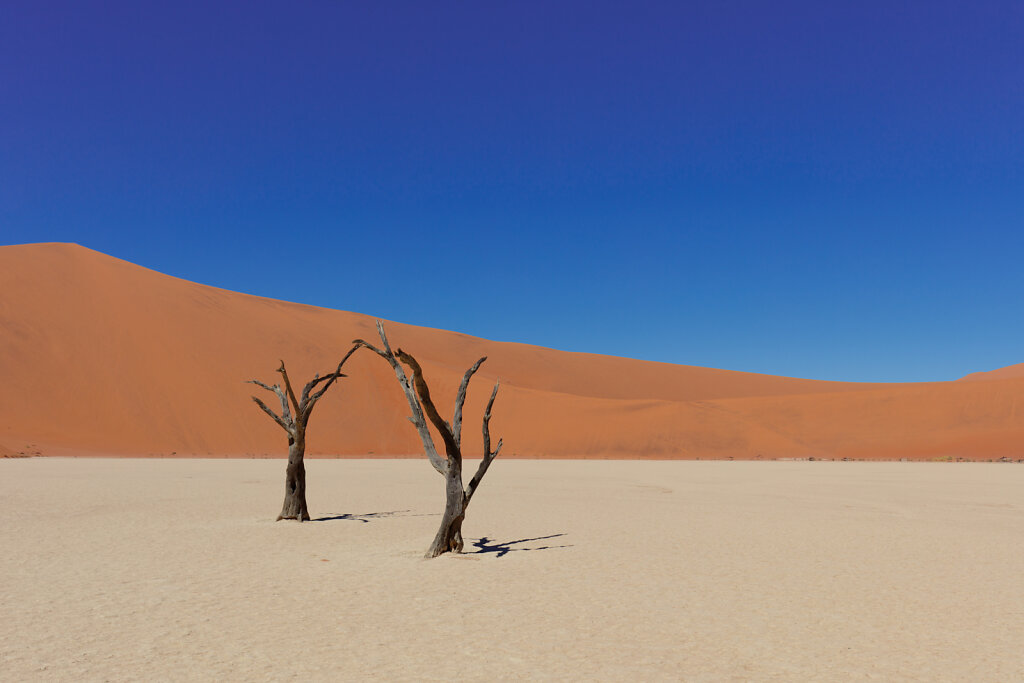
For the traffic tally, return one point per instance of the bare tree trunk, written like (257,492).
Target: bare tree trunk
(449,535)
(295,483)
(295,425)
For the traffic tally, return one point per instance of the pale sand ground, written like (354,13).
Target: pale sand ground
(175,569)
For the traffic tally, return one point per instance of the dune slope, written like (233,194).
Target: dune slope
(101,355)
(1009,372)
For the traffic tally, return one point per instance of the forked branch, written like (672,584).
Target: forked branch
(328,378)
(451,447)
(304,406)
(285,418)
(274,416)
(288,386)
(294,506)
(417,418)
(489,455)
(460,399)
(449,535)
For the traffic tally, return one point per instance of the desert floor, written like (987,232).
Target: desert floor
(174,569)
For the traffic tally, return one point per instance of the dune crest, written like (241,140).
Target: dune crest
(1009,372)
(104,356)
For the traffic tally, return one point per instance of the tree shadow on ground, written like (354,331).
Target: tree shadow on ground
(486,545)
(367,517)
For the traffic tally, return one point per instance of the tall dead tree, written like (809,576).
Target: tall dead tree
(449,535)
(295,425)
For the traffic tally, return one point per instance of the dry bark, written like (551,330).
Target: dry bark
(417,393)
(295,425)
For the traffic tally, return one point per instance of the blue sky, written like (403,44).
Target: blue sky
(817,189)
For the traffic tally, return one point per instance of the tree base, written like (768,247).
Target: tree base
(298,518)
(294,507)
(448,540)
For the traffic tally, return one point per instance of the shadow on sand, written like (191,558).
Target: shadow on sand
(486,545)
(367,517)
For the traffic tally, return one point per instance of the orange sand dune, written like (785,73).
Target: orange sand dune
(1000,373)
(101,355)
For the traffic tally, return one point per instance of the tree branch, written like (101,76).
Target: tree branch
(487,418)
(489,456)
(272,414)
(436,461)
(326,378)
(451,447)
(288,386)
(285,413)
(474,483)
(258,383)
(460,399)
(365,344)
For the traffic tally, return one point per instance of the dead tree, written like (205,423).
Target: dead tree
(295,425)
(449,535)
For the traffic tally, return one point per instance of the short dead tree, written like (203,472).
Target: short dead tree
(295,425)
(449,535)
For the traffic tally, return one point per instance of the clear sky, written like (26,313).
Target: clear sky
(817,189)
